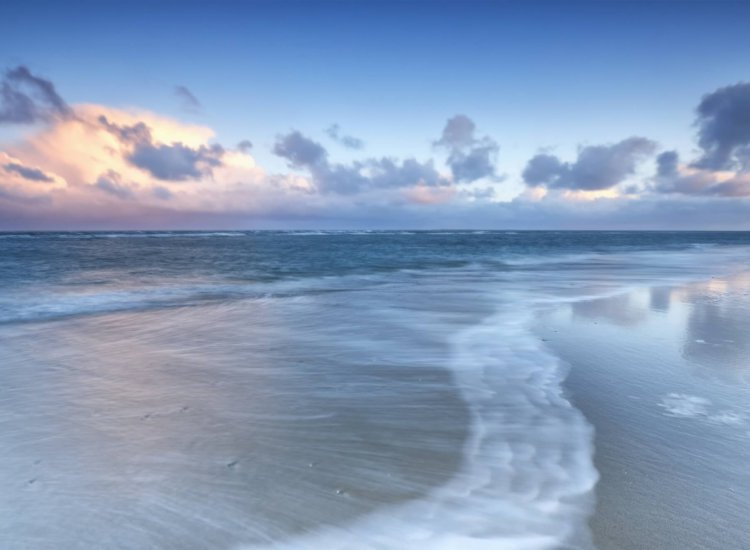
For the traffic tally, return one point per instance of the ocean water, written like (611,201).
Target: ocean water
(314,389)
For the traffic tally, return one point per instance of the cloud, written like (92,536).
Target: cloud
(667,163)
(111,183)
(430,195)
(469,158)
(458,132)
(174,162)
(738,186)
(134,133)
(238,198)
(372,173)
(476,163)
(31,174)
(723,168)
(542,169)
(95,139)
(21,183)
(80,151)
(673,178)
(597,167)
(94,166)
(724,128)
(350,142)
(300,151)
(189,101)
(26,99)
(377,174)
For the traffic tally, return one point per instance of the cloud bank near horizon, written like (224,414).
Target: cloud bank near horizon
(97,166)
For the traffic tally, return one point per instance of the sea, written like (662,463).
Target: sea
(373,389)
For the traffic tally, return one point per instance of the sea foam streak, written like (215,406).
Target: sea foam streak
(528,474)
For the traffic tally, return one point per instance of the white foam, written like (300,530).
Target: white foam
(691,406)
(527,478)
(685,406)
(728,418)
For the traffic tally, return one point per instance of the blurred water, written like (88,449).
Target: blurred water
(373,390)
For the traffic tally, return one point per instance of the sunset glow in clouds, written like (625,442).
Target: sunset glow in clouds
(93,165)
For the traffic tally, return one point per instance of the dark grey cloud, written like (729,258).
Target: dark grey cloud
(350,142)
(723,121)
(173,162)
(188,99)
(694,184)
(475,163)
(597,166)
(666,164)
(669,180)
(134,134)
(110,182)
(541,169)
(300,151)
(724,128)
(389,172)
(734,187)
(32,174)
(469,157)
(176,162)
(376,173)
(372,173)
(26,98)
(458,132)
(245,145)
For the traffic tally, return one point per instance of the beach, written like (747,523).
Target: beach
(377,390)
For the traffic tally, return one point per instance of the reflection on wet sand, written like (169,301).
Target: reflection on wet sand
(620,310)
(663,375)
(717,328)
(659,298)
(708,314)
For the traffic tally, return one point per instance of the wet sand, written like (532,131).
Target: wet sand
(663,374)
(210,427)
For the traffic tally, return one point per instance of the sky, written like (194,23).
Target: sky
(338,115)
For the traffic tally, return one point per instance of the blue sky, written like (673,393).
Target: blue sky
(532,76)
